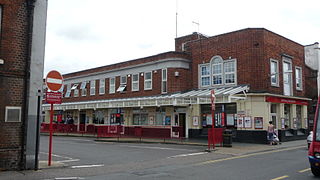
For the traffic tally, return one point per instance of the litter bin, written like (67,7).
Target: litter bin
(227,138)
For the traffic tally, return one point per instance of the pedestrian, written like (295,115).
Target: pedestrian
(270,132)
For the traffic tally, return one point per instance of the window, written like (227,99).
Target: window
(135,82)
(75,90)
(92,87)
(229,72)
(287,76)
(123,84)
(274,72)
(13,114)
(102,86)
(164,81)
(298,78)
(140,119)
(218,72)
(205,75)
(112,85)
(68,91)
(83,88)
(147,81)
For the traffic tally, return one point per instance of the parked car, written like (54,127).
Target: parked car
(309,138)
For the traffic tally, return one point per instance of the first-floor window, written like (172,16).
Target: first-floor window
(112,85)
(92,87)
(102,87)
(274,72)
(135,82)
(148,81)
(298,78)
(205,75)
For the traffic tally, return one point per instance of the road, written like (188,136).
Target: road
(83,158)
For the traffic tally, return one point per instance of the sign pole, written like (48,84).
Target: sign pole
(213,107)
(54,81)
(50,137)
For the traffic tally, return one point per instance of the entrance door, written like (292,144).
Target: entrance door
(82,121)
(182,123)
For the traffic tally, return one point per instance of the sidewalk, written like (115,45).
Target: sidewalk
(236,149)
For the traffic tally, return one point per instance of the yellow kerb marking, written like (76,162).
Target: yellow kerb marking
(248,155)
(281,177)
(305,170)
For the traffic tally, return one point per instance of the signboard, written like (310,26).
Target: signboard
(285,100)
(53,97)
(54,80)
(258,122)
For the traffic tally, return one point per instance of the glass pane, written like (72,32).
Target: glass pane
(205,81)
(230,78)
(135,77)
(229,67)
(217,79)
(204,70)
(148,75)
(217,69)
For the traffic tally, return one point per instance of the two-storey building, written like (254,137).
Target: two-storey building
(258,76)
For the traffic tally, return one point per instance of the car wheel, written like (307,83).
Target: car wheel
(315,171)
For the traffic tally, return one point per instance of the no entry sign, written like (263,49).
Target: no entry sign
(54,80)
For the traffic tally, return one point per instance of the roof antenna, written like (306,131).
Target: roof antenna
(176,18)
(198,24)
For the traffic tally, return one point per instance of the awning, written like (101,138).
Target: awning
(199,96)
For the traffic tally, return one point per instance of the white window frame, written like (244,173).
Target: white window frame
(298,78)
(102,86)
(164,80)
(112,86)
(68,92)
(289,61)
(75,90)
(92,87)
(204,76)
(276,73)
(217,60)
(83,88)
(12,107)
(148,81)
(135,82)
(227,73)
(123,80)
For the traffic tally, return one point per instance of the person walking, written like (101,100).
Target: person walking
(270,132)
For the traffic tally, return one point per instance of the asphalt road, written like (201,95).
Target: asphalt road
(83,158)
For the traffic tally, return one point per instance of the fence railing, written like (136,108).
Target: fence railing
(101,131)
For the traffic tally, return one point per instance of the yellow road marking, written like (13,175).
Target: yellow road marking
(281,177)
(248,155)
(305,170)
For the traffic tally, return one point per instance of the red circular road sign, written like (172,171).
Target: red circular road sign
(54,80)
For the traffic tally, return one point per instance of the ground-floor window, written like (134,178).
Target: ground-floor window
(287,117)
(140,119)
(224,115)
(273,113)
(299,116)
(98,117)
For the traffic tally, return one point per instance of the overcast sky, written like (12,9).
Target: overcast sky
(84,34)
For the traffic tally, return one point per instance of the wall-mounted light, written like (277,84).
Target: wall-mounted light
(128,75)
(155,71)
(141,74)
(176,73)
(1,61)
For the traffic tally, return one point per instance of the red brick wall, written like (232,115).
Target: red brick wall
(253,49)
(13,50)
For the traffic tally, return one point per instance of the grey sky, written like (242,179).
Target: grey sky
(84,34)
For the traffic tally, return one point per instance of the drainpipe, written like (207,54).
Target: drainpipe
(30,12)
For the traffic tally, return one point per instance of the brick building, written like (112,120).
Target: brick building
(258,76)
(22,37)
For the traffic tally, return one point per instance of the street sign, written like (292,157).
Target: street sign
(54,80)
(53,97)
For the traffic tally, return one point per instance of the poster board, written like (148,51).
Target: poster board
(195,120)
(247,122)
(230,119)
(240,121)
(258,122)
